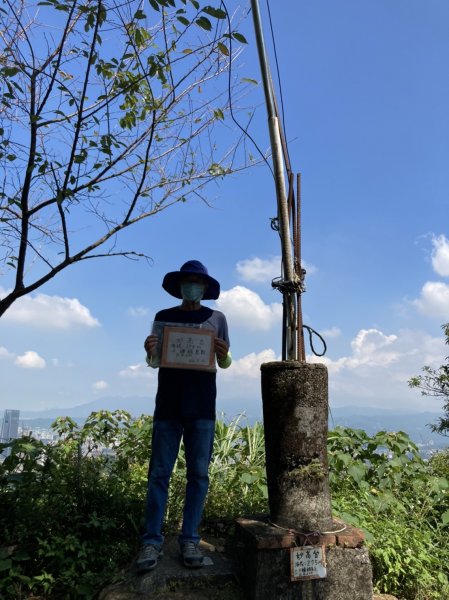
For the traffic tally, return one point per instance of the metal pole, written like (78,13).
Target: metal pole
(278,168)
(263,59)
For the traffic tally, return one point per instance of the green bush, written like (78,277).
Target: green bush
(70,516)
(382,485)
(237,472)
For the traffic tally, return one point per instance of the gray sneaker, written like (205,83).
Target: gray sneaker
(148,557)
(191,555)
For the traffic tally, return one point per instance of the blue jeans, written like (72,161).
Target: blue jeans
(198,437)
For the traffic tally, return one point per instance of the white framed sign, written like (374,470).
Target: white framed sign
(188,348)
(307,562)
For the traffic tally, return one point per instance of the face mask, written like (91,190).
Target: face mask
(192,292)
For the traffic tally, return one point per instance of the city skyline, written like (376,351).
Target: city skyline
(10,425)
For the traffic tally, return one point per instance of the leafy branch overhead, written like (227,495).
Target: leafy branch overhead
(109,113)
(435,382)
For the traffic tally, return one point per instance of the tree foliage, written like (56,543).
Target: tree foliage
(435,382)
(110,112)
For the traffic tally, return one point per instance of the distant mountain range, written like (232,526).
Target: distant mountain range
(136,405)
(370,419)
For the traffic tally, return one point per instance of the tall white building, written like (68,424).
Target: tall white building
(10,425)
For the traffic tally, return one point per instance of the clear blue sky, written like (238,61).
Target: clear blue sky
(366,97)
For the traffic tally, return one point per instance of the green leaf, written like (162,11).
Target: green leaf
(10,71)
(79,158)
(249,80)
(204,23)
(239,37)
(246,478)
(344,457)
(218,13)
(184,21)
(5,552)
(21,554)
(218,114)
(139,14)
(357,472)
(442,578)
(155,5)
(445,517)
(223,48)
(5,564)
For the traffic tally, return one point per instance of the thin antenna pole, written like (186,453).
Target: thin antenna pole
(278,168)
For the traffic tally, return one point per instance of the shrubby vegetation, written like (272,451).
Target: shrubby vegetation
(70,516)
(382,485)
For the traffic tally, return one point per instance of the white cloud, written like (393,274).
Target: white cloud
(139,370)
(50,312)
(310,269)
(260,270)
(440,255)
(332,332)
(100,385)
(138,311)
(248,367)
(239,387)
(370,344)
(378,370)
(30,360)
(370,348)
(4,353)
(434,300)
(246,309)
(375,373)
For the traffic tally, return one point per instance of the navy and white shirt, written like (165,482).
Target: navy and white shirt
(188,393)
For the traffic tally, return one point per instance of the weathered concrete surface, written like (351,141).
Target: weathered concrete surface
(263,554)
(295,411)
(171,581)
(217,580)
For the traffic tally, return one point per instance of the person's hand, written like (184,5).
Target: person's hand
(150,345)
(221,348)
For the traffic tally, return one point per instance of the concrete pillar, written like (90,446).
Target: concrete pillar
(295,411)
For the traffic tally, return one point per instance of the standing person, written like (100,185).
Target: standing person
(185,408)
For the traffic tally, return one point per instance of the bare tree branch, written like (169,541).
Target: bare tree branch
(108,116)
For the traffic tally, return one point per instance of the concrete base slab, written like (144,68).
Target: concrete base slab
(263,553)
(170,579)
